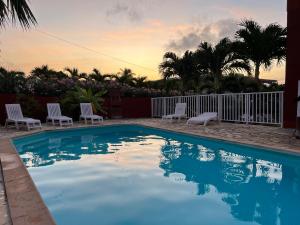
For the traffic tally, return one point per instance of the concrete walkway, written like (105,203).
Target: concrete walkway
(4,212)
(266,136)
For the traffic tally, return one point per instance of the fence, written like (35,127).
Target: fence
(257,107)
(130,107)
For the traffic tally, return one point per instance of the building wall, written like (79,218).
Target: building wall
(292,64)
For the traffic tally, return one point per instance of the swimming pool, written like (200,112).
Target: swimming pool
(134,175)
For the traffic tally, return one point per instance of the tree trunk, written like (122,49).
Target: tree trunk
(257,72)
(217,82)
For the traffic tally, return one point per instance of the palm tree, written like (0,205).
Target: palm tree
(12,81)
(126,76)
(16,10)
(44,72)
(237,83)
(96,99)
(261,45)
(74,73)
(140,81)
(71,100)
(220,60)
(98,76)
(41,72)
(184,67)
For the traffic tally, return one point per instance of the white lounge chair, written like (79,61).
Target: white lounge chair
(15,117)
(203,118)
(88,115)
(179,113)
(55,116)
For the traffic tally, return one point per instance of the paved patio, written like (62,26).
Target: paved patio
(267,136)
(4,213)
(26,205)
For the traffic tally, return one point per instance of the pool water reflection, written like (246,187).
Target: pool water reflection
(132,175)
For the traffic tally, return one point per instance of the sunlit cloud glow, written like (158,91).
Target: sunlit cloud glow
(135,31)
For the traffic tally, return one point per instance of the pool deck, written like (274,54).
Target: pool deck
(21,203)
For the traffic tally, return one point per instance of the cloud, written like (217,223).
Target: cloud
(213,32)
(187,41)
(124,10)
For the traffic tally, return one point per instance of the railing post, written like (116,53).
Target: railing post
(220,107)
(197,105)
(246,115)
(242,107)
(180,99)
(164,107)
(248,110)
(281,108)
(152,100)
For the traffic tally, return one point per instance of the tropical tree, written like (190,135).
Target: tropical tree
(30,106)
(45,81)
(237,83)
(44,72)
(12,81)
(184,67)
(140,81)
(260,44)
(98,76)
(12,10)
(220,60)
(126,76)
(71,100)
(74,73)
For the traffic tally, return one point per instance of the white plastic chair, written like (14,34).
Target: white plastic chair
(203,118)
(15,117)
(88,115)
(179,113)
(55,116)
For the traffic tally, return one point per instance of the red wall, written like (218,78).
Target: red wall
(129,107)
(292,65)
(40,112)
(5,99)
(136,107)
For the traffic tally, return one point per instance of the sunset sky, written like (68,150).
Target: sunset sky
(133,33)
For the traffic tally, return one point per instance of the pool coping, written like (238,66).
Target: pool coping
(232,141)
(25,203)
(278,149)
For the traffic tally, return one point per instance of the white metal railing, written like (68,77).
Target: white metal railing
(257,107)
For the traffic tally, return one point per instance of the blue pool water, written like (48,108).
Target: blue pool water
(133,175)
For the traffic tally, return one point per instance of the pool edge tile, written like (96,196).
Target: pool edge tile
(25,203)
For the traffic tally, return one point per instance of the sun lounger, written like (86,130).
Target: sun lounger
(203,118)
(55,116)
(15,117)
(88,115)
(179,113)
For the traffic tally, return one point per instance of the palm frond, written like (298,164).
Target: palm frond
(16,10)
